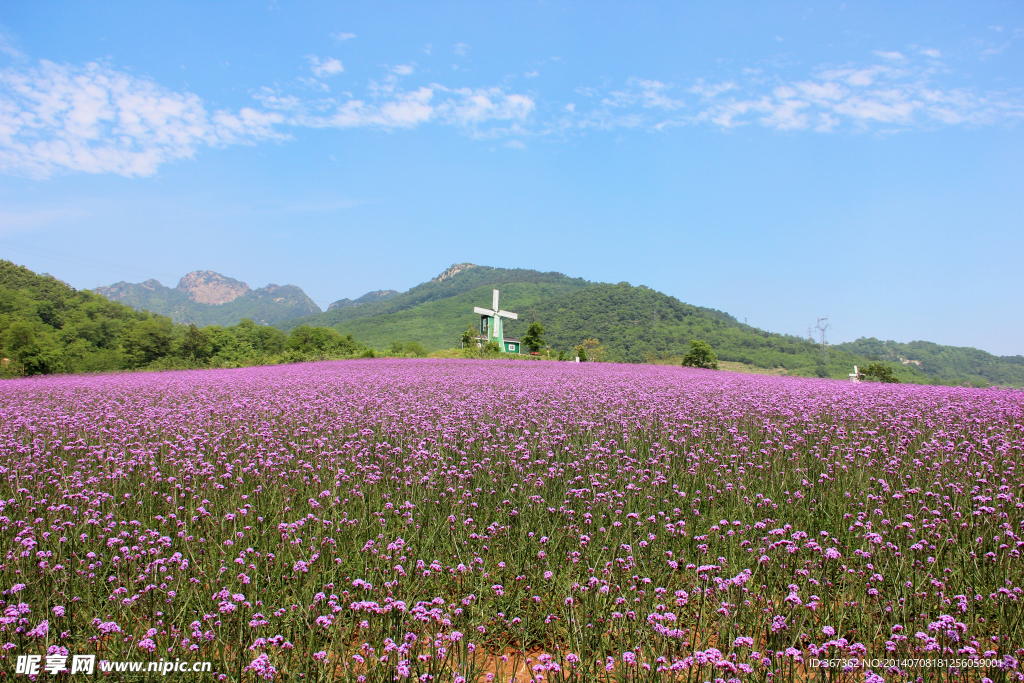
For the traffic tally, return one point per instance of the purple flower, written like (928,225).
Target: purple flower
(108,627)
(40,631)
(262,667)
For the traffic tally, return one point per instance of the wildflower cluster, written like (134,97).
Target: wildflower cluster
(444,520)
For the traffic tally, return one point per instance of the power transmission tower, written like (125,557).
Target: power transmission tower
(823,326)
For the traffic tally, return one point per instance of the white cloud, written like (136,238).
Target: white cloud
(930,52)
(787,115)
(324,67)
(8,49)
(342,37)
(822,92)
(848,97)
(399,110)
(992,51)
(471,108)
(314,84)
(96,119)
(531,74)
(461,49)
(653,95)
(702,88)
(483,112)
(93,118)
(891,56)
(861,97)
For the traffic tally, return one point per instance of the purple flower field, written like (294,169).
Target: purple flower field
(420,520)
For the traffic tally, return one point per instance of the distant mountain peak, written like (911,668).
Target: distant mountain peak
(205,297)
(208,287)
(453,271)
(368,298)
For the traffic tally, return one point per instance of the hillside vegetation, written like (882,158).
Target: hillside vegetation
(952,364)
(457,280)
(48,327)
(631,324)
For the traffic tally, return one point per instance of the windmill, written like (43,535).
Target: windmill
(491,327)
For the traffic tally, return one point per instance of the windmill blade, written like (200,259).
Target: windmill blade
(495,299)
(506,314)
(483,311)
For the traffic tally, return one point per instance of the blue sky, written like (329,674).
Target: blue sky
(779,161)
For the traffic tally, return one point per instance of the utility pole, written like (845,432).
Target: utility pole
(823,326)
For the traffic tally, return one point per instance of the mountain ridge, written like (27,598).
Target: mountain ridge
(369,297)
(205,297)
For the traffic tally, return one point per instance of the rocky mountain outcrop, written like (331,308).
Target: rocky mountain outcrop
(120,291)
(208,287)
(205,297)
(453,271)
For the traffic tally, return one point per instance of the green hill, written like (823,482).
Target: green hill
(632,324)
(952,364)
(438,324)
(47,327)
(459,279)
(635,324)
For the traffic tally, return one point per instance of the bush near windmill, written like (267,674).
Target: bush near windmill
(534,337)
(590,350)
(411,349)
(879,373)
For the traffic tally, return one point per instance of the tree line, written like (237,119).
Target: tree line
(48,327)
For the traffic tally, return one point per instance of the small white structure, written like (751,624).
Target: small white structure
(855,375)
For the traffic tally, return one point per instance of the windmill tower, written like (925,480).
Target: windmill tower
(491,327)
